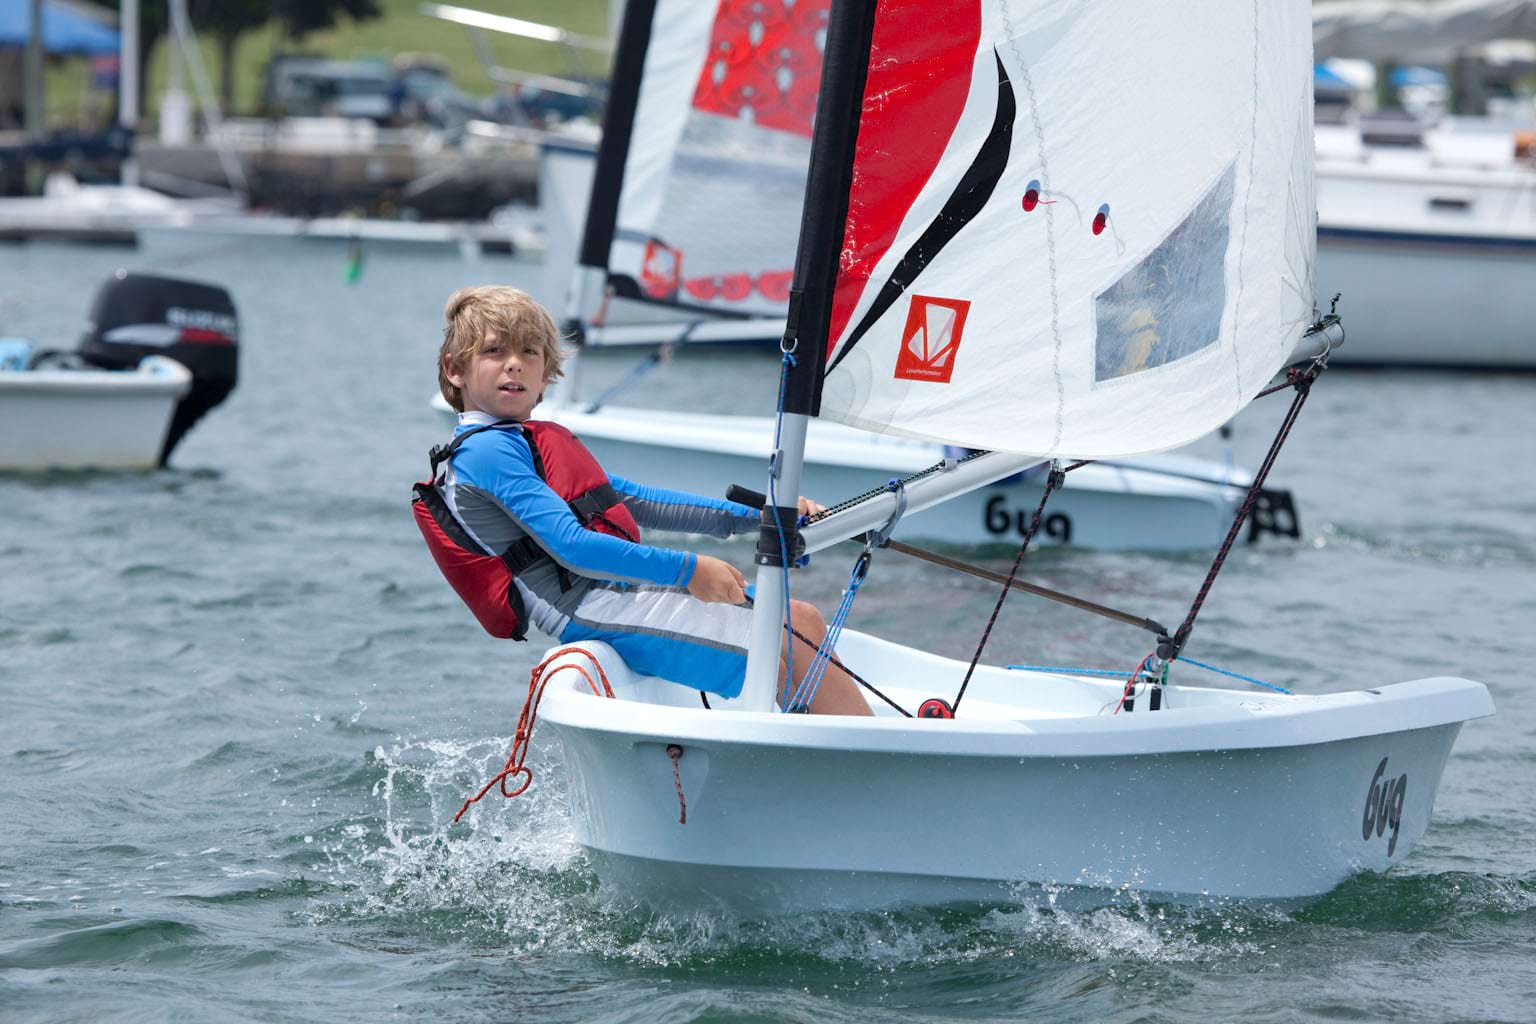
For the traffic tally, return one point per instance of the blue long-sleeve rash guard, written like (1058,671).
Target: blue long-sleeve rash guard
(493,472)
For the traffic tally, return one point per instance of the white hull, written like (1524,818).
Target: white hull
(458,240)
(1424,301)
(1433,249)
(89,419)
(1155,502)
(1219,795)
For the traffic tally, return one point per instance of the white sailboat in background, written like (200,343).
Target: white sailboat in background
(1432,241)
(1127,269)
(686,220)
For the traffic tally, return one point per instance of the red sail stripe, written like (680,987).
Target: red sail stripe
(919,76)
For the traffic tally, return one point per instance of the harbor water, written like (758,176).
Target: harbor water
(241,706)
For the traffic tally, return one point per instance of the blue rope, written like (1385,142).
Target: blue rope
(1067,670)
(1234,675)
(634,374)
(773,500)
(823,656)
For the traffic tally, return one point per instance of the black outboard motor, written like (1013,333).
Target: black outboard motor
(137,315)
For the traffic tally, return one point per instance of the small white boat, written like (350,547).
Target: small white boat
(116,214)
(1060,265)
(1428,230)
(1218,794)
(159,353)
(1162,502)
(88,418)
(1432,247)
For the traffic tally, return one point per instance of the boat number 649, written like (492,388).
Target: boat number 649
(1384,806)
(1000,519)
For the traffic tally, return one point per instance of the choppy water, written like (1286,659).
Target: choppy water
(240,708)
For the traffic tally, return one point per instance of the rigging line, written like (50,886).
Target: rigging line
(1069,670)
(1140,622)
(1302,381)
(851,673)
(1235,675)
(840,663)
(876,492)
(817,669)
(1053,481)
(655,359)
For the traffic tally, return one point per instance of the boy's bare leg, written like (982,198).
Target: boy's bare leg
(837,694)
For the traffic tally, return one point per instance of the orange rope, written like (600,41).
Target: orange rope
(537,680)
(1130,684)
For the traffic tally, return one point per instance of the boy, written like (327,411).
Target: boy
(672,614)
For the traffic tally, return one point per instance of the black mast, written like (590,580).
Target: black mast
(845,65)
(618,127)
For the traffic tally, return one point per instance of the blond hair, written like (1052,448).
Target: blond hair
(502,311)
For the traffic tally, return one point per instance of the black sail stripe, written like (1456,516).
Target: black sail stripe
(965,202)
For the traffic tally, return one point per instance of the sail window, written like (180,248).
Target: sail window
(1170,304)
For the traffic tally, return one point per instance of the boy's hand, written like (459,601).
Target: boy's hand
(717,581)
(809,507)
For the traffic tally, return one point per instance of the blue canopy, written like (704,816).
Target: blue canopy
(64,30)
(1324,78)
(1401,76)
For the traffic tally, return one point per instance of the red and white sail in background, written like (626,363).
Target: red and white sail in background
(1080,228)
(711,173)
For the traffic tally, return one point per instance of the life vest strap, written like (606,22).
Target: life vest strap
(595,502)
(521,555)
(588,507)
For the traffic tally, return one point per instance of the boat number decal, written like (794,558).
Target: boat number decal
(1000,520)
(1384,806)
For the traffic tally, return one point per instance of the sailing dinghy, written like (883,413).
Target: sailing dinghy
(1011,243)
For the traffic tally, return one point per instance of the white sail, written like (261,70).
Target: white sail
(1074,228)
(706,146)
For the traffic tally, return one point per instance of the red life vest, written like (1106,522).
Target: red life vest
(485,579)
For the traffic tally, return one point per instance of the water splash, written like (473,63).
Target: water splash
(511,877)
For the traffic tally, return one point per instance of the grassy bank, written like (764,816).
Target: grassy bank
(402,29)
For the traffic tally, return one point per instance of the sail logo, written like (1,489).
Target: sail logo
(931,338)
(1384,806)
(661,270)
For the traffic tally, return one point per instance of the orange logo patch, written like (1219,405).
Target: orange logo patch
(661,270)
(931,339)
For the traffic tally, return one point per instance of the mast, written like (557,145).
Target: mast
(128,83)
(618,127)
(34,108)
(849,30)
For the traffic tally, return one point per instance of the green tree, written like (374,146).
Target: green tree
(298,18)
(228,20)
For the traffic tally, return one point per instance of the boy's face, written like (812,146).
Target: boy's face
(505,378)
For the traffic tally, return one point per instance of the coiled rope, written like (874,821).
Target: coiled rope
(537,681)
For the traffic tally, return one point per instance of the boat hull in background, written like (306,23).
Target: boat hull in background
(89,419)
